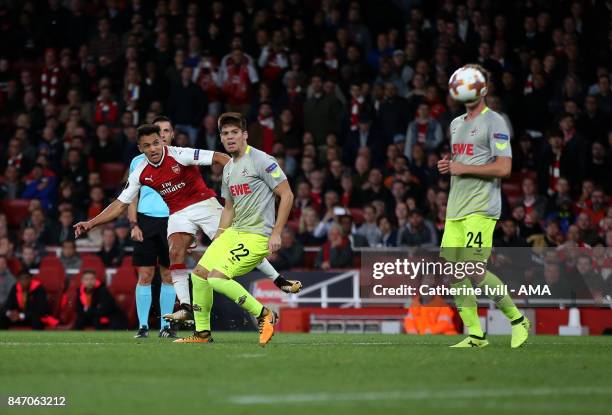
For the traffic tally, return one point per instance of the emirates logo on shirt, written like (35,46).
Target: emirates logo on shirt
(176,169)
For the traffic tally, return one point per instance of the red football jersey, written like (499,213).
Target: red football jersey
(176,178)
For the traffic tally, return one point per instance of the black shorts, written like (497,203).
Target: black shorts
(153,249)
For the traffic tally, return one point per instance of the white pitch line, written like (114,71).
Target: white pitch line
(412,395)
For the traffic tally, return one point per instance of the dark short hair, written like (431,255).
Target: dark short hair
(232,118)
(89,271)
(161,118)
(147,129)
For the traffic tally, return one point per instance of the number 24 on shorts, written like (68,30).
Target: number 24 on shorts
(476,241)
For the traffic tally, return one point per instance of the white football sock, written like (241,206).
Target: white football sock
(268,269)
(180,280)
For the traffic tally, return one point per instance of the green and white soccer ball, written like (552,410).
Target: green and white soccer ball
(467,84)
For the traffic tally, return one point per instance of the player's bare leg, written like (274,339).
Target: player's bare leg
(178,243)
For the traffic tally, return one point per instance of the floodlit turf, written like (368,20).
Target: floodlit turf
(112,373)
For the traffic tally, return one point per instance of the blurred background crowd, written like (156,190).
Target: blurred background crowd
(350,96)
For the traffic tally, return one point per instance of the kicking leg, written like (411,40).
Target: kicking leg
(179,242)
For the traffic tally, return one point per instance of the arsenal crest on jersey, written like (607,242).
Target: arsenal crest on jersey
(176,169)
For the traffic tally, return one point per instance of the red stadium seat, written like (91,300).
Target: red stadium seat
(51,260)
(111,174)
(357,215)
(16,211)
(52,276)
(94,263)
(122,290)
(127,261)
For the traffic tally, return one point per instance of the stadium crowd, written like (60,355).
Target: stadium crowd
(350,96)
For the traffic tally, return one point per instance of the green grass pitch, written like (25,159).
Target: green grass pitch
(112,373)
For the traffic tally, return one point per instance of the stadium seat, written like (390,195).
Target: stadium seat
(357,215)
(52,276)
(94,263)
(127,261)
(16,211)
(122,290)
(111,174)
(51,260)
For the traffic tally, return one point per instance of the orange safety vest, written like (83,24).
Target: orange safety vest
(436,318)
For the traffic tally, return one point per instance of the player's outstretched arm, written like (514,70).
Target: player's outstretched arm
(112,211)
(500,168)
(284,208)
(221,158)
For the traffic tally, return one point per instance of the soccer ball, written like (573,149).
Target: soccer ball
(467,84)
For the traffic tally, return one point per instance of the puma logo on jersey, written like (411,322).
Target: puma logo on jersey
(461,148)
(240,189)
(148,179)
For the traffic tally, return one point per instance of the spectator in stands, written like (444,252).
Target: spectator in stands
(187,105)
(587,284)
(424,130)
(350,196)
(95,306)
(374,188)
(97,201)
(29,259)
(76,172)
(322,111)
(507,235)
(122,234)
(12,186)
(348,230)
(69,257)
(7,250)
(588,235)
(387,230)
(309,221)
(63,230)
(363,136)
(27,305)
(368,228)
(336,251)
(44,231)
(7,281)
(419,231)
(290,254)
(110,253)
(531,201)
(105,148)
(41,187)
(238,74)
(29,238)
